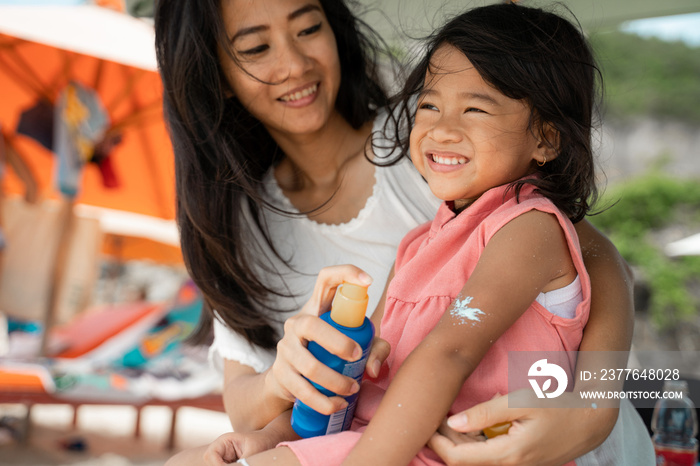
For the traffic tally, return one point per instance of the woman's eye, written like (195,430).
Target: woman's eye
(310,30)
(254,50)
(427,106)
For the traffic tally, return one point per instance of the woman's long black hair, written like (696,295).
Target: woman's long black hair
(222,154)
(540,57)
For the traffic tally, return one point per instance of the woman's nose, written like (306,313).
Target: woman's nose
(292,62)
(446,129)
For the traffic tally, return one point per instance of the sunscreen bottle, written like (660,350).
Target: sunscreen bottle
(347,315)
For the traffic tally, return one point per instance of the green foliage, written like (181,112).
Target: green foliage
(648,76)
(639,207)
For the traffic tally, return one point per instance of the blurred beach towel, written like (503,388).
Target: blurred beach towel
(122,353)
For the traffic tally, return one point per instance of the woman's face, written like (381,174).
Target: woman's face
(288,70)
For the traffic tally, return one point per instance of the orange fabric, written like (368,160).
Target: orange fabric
(126,248)
(116,5)
(11,381)
(143,162)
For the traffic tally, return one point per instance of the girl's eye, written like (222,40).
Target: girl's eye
(254,50)
(310,30)
(427,106)
(473,109)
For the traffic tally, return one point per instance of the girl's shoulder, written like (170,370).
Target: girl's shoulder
(499,206)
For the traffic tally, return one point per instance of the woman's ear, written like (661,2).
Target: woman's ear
(225,85)
(547,144)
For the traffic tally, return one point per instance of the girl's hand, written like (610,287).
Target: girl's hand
(538,436)
(294,364)
(225,449)
(233,446)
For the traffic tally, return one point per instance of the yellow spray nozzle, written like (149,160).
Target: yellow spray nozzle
(349,305)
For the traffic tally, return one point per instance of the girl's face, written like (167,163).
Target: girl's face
(288,70)
(468,137)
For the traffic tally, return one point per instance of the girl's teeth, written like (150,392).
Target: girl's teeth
(449,160)
(300,94)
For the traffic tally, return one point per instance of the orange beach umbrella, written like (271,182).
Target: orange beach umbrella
(43,50)
(80,102)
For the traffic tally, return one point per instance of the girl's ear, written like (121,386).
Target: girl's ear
(547,144)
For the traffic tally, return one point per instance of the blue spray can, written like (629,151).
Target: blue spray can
(347,315)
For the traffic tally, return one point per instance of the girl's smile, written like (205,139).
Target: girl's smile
(445,161)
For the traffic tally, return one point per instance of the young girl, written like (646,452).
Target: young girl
(501,133)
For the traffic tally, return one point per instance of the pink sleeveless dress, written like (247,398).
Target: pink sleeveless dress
(433,263)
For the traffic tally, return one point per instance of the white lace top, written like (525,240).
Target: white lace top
(401,200)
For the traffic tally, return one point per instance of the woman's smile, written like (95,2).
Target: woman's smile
(285,68)
(301,96)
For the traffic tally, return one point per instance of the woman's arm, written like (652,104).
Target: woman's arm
(253,400)
(248,399)
(611,321)
(547,436)
(527,255)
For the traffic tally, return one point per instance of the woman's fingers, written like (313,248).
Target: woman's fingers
(470,448)
(295,376)
(443,446)
(483,415)
(301,329)
(327,282)
(459,437)
(521,445)
(491,452)
(457,442)
(316,400)
(377,355)
(450,444)
(295,364)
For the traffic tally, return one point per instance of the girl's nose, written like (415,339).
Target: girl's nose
(446,129)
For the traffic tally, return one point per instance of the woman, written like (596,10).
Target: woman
(270,106)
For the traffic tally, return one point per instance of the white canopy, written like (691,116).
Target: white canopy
(689,246)
(86,29)
(118,222)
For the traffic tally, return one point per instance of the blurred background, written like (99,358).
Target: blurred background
(92,249)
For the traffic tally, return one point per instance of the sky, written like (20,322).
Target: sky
(684,28)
